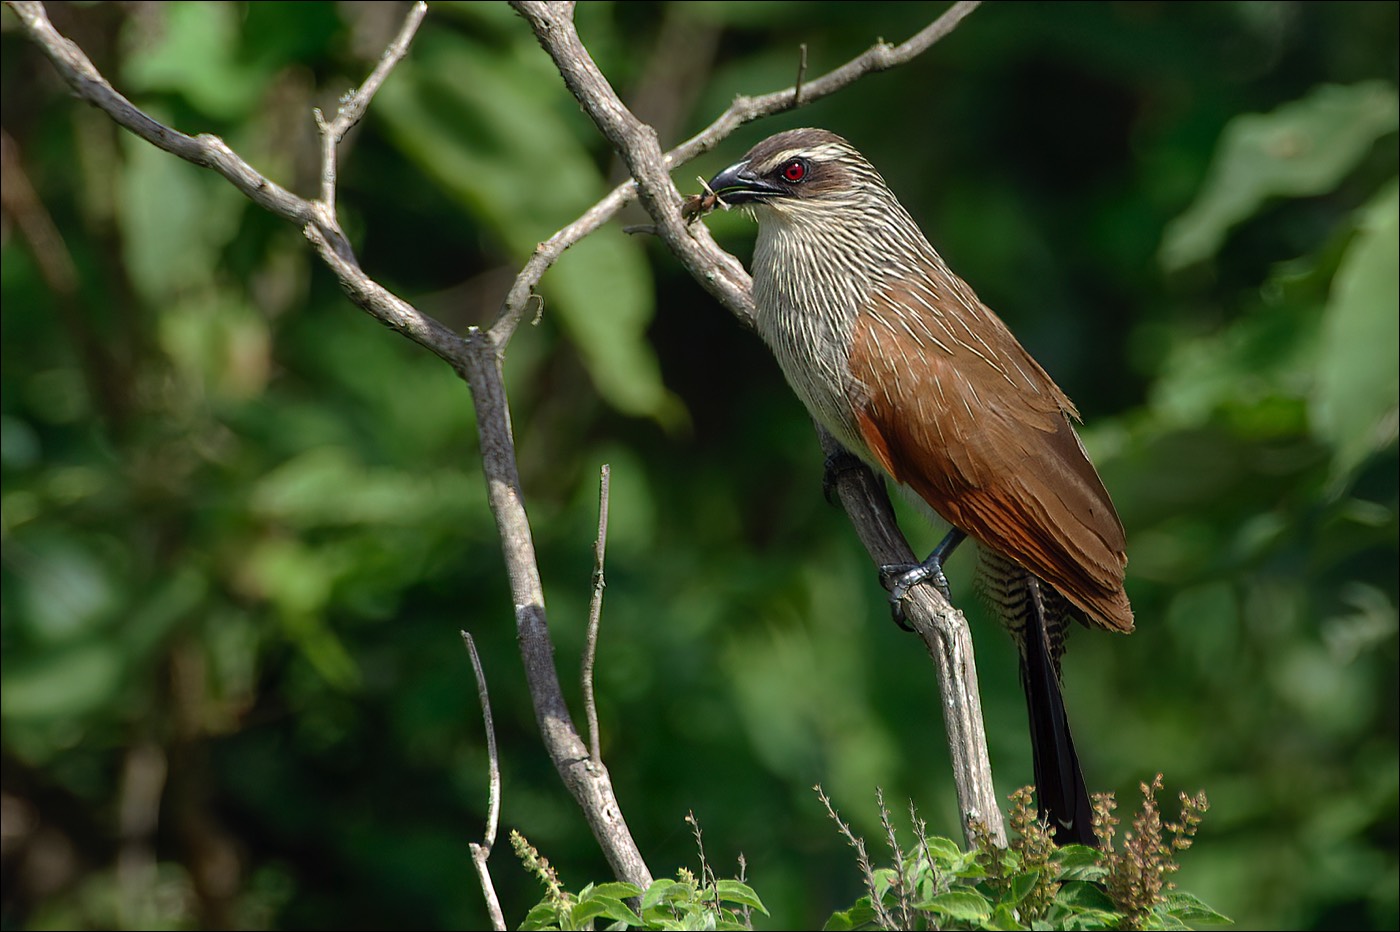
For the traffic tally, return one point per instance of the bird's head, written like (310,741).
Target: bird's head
(799,172)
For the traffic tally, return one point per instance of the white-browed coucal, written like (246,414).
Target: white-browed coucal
(897,358)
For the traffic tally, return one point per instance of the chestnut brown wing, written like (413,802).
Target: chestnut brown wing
(951,405)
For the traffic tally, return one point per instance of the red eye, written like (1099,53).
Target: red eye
(795,170)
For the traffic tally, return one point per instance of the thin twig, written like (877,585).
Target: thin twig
(921,836)
(355,102)
(801,73)
(867,871)
(901,880)
(595,614)
(482,852)
(708,880)
(494,810)
(745,911)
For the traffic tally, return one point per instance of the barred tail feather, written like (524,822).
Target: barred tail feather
(1036,617)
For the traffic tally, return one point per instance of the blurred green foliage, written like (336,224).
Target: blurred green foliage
(243,523)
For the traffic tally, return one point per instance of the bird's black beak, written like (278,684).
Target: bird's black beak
(738,185)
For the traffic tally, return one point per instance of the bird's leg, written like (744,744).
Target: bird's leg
(899,578)
(842,461)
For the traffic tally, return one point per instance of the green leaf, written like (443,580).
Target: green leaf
(177,219)
(1021,887)
(329,486)
(618,890)
(197,55)
(1358,373)
(859,916)
(734,891)
(1079,862)
(298,580)
(1190,909)
(1004,917)
(1303,148)
(543,915)
(1166,922)
(1080,896)
(602,290)
(962,905)
(946,853)
(594,905)
(665,890)
(67,683)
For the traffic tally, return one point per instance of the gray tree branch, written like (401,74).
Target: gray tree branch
(477,357)
(942,628)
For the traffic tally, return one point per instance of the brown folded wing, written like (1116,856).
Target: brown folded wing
(951,405)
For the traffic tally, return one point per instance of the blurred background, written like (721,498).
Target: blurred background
(243,522)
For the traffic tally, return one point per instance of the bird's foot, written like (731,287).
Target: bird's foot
(899,578)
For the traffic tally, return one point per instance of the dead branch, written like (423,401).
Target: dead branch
(481,853)
(942,627)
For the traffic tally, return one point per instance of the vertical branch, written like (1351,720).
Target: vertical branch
(801,73)
(595,614)
(482,852)
(589,783)
(945,634)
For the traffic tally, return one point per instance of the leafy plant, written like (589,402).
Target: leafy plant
(687,902)
(1031,883)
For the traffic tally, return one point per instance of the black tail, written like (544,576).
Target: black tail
(1063,797)
(1037,615)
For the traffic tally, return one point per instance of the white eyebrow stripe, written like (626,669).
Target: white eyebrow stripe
(807,152)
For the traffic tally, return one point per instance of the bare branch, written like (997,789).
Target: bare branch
(595,615)
(801,73)
(589,783)
(477,358)
(744,110)
(945,634)
(482,852)
(205,150)
(353,104)
(942,627)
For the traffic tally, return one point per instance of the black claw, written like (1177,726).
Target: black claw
(897,613)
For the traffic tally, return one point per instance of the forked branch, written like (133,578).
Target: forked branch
(477,357)
(942,627)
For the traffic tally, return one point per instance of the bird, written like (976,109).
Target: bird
(911,372)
